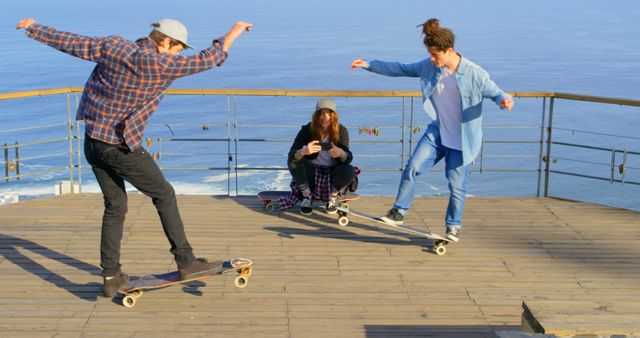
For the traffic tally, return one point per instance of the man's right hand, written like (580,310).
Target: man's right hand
(359,63)
(25,23)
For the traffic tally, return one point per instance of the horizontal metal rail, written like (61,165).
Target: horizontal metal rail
(559,172)
(598,133)
(14,130)
(594,147)
(404,132)
(334,93)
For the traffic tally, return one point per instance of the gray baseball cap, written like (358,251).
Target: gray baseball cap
(326,104)
(173,29)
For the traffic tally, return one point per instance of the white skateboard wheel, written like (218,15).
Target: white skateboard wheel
(241,281)
(129,301)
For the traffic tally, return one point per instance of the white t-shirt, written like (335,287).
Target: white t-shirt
(448,104)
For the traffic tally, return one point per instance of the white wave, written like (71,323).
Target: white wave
(29,190)
(183,188)
(224,177)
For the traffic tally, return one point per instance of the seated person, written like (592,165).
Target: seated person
(319,161)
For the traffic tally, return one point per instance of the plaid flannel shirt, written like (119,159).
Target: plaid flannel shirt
(128,82)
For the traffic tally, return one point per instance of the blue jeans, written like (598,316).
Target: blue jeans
(428,153)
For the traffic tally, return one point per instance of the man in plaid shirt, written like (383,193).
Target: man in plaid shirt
(124,89)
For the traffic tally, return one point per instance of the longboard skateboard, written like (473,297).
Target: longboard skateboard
(136,287)
(270,200)
(439,242)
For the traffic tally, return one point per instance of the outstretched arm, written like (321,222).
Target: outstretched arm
(390,68)
(77,45)
(235,32)
(179,66)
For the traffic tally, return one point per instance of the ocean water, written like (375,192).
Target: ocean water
(580,47)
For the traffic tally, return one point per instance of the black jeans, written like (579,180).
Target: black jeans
(112,165)
(303,172)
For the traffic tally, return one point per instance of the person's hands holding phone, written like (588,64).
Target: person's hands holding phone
(334,151)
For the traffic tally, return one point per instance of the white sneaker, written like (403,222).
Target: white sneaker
(332,205)
(453,234)
(306,207)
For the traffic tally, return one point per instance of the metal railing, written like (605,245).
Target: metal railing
(540,161)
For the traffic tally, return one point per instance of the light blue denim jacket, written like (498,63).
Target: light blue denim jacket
(474,85)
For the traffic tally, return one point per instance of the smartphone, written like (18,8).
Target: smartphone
(326,146)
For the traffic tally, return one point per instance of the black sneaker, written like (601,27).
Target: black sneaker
(453,234)
(393,217)
(200,267)
(111,285)
(332,205)
(306,207)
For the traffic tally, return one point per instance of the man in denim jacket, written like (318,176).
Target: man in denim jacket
(453,89)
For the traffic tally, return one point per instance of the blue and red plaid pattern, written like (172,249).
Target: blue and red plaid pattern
(128,82)
(322,190)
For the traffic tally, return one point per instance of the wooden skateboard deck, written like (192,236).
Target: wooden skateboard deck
(439,242)
(136,286)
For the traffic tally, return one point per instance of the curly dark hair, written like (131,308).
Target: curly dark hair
(435,36)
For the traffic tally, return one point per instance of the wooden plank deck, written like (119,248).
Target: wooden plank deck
(314,278)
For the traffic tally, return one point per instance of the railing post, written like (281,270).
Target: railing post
(235,132)
(17,161)
(541,156)
(613,165)
(403,139)
(548,155)
(78,144)
(410,128)
(6,162)
(229,158)
(481,156)
(70,138)
(623,167)
(78,147)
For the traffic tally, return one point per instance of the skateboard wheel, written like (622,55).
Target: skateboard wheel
(269,207)
(241,281)
(440,250)
(129,301)
(343,220)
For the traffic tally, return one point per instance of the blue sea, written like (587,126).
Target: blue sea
(579,47)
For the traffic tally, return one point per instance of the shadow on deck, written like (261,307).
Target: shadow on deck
(313,277)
